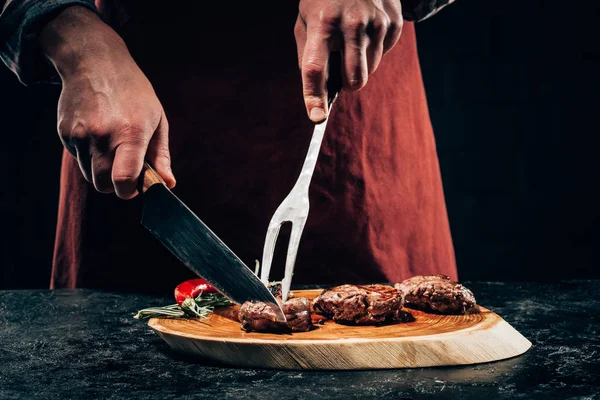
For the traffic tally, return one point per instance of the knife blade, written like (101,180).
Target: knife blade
(178,229)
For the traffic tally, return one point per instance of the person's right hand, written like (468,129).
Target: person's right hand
(109,117)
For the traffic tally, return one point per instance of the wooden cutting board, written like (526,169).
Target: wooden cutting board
(431,340)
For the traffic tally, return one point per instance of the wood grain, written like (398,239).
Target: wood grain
(431,340)
(149,177)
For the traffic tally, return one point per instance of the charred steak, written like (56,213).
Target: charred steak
(297,313)
(361,305)
(260,317)
(437,294)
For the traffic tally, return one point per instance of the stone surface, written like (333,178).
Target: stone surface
(85,344)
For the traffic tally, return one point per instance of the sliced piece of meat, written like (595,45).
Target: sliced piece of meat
(260,317)
(297,313)
(361,305)
(437,294)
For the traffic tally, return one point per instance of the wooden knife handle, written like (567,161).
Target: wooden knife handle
(149,177)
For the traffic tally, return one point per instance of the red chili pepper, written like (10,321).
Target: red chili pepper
(191,289)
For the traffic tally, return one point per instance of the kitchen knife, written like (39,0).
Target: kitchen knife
(196,246)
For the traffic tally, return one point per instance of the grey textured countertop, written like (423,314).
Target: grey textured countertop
(84,344)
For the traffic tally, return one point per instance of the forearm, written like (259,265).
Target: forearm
(418,10)
(20,24)
(77,39)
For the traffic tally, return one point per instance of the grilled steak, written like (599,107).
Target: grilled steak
(437,294)
(297,313)
(260,317)
(361,305)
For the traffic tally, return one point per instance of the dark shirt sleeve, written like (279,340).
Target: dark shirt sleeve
(20,24)
(418,10)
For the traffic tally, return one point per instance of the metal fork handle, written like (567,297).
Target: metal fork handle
(334,85)
(310,162)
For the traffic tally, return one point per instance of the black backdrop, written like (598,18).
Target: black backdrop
(512,89)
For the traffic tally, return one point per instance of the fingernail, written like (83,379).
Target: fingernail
(317,114)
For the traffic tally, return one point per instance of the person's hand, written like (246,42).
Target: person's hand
(363,30)
(109,117)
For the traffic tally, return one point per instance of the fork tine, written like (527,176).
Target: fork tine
(292,252)
(268,250)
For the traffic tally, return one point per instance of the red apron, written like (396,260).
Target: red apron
(239,132)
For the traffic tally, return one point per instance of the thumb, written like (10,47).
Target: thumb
(158,152)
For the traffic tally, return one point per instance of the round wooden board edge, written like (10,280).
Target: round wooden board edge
(498,343)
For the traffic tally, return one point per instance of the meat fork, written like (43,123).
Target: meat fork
(295,206)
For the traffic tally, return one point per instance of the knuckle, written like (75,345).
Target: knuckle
(77,132)
(135,142)
(313,69)
(328,20)
(393,34)
(312,100)
(382,24)
(395,27)
(132,127)
(394,12)
(124,178)
(94,130)
(354,24)
(134,135)
(400,23)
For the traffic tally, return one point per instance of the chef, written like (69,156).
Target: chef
(222,100)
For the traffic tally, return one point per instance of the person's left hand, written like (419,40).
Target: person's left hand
(362,30)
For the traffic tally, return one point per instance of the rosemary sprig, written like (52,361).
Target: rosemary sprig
(204,304)
(200,307)
(169,311)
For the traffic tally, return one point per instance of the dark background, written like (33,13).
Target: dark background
(512,88)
